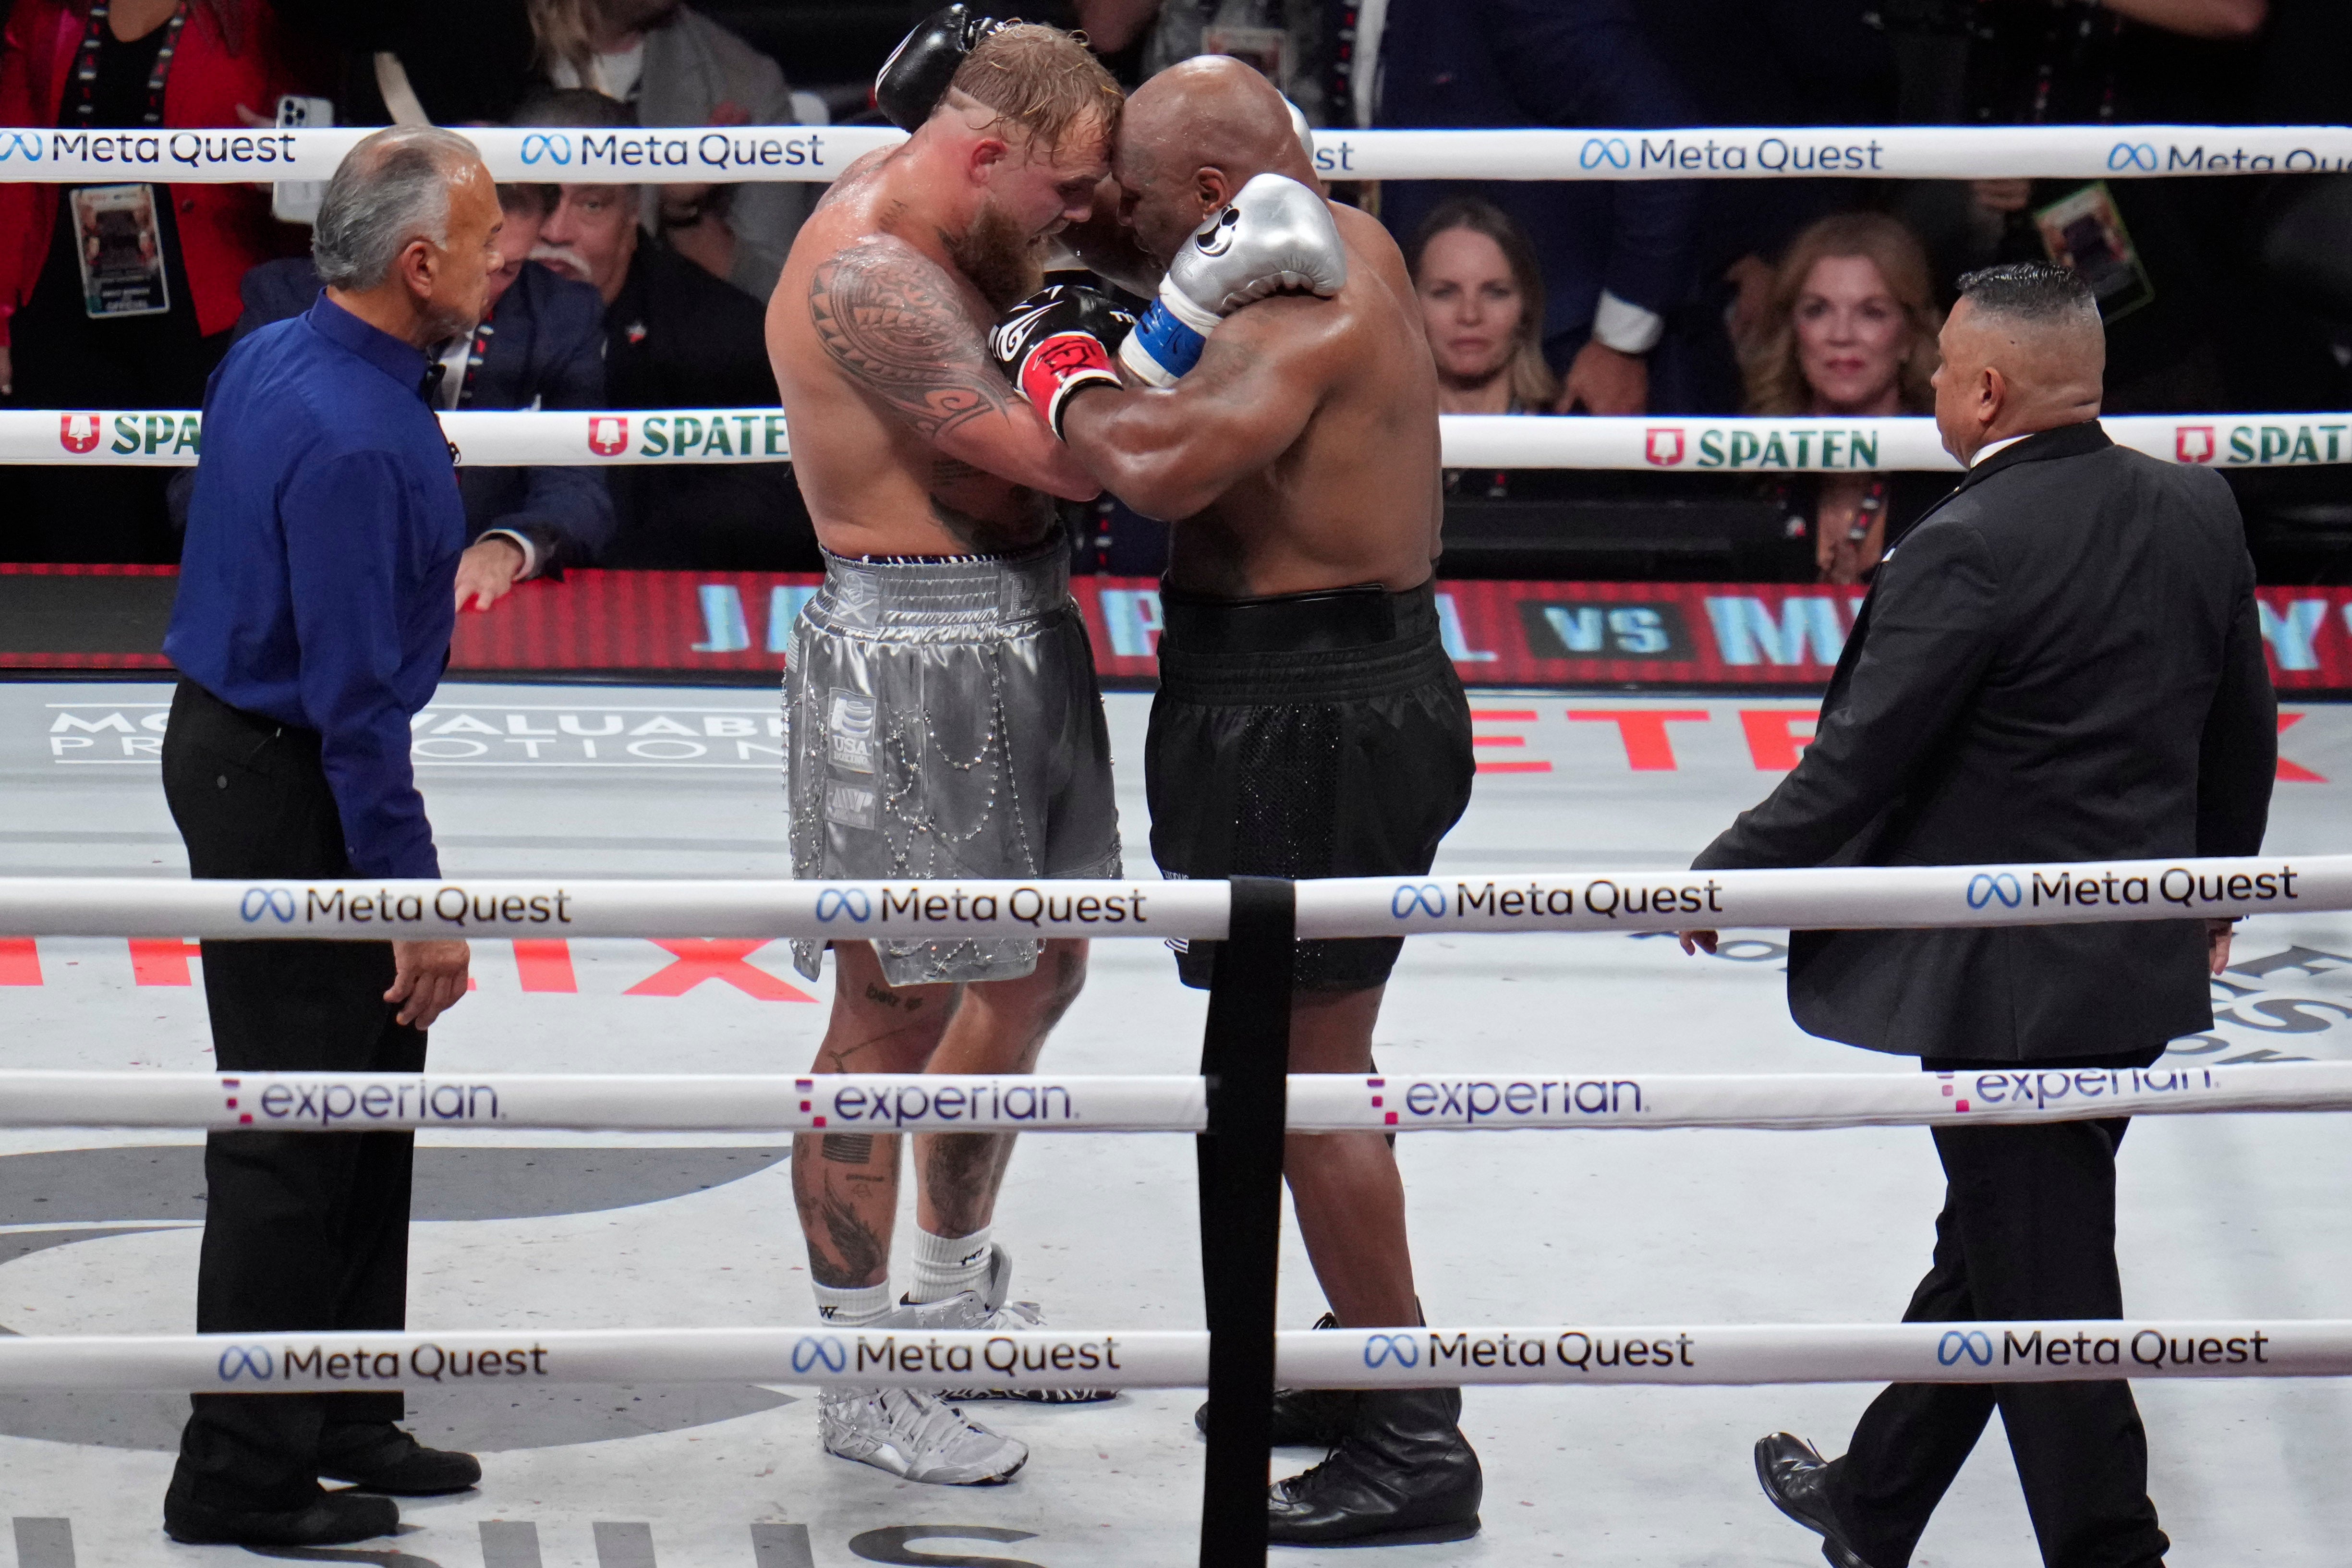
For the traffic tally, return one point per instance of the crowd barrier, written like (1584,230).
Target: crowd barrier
(1684,1355)
(1243,1105)
(1671,443)
(815,154)
(926,1103)
(1876,896)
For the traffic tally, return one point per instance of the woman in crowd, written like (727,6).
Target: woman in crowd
(122,295)
(1482,301)
(1482,304)
(1851,332)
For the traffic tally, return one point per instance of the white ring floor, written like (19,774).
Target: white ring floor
(2219,1215)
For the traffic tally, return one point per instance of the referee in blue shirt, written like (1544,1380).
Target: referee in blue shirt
(312,624)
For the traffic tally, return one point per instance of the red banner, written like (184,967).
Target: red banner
(667,624)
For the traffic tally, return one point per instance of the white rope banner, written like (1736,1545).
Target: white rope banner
(1816,1352)
(174,437)
(377,912)
(1689,1354)
(816,152)
(1442,1102)
(1883,898)
(1821,898)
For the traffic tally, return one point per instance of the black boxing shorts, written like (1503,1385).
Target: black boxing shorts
(1306,735)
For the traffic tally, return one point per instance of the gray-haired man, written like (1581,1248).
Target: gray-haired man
(312,623)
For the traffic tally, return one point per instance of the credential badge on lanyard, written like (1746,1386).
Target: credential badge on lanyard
(119,229)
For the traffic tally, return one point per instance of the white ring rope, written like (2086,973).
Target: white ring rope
(1671,443)
(1821,898)
(1449,1102)
(1685,1354)
(807,152)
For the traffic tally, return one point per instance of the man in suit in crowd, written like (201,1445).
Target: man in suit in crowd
(2061,662)
(540,344)
(312,626)
(1617,256)
(674,337)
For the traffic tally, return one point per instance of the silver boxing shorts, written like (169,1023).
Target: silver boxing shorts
(944,722)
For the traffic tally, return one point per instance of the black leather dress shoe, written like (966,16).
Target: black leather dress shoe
(334,1518)
(1795,1478)
(381,1458)
(1403,1474)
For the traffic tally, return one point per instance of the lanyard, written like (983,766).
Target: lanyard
(94,39)
(475,354)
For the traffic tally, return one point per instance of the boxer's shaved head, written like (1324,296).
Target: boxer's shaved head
(1192,136)
(2023,351)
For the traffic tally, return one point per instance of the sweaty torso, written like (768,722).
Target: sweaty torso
(856,332)
(1357,498)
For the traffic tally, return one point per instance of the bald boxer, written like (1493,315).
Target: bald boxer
(944,717)
(1283,413)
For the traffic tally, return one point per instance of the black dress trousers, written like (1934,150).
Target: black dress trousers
(2028,1231)
(302,1230)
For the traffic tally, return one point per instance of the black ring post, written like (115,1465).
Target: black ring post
(1245,1058)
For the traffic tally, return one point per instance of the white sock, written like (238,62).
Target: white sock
(852,1309)
(946,1264)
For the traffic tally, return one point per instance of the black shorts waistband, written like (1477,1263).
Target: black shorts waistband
(1329,620)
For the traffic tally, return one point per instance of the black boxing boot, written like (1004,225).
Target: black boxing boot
(1303,1418)
(1402,1475)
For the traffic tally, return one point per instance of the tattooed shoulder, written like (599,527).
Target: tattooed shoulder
(889,318)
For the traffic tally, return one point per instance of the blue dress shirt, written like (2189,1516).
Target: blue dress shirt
(318,583)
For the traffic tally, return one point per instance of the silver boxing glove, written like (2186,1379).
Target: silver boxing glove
(1275,235)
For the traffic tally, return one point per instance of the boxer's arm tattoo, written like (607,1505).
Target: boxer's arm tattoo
(889,318)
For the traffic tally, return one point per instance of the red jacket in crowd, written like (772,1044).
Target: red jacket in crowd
(223,229)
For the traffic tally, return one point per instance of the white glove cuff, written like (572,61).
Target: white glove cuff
(1186,308)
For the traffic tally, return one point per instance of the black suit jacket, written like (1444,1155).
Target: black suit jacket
(2063,661)
(676,337)
(1478,63)
(545,350)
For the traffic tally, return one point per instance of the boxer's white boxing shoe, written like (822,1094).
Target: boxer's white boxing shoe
(916,1436)
(987,1311)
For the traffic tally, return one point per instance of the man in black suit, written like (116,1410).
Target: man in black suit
(674,337)
(2060,662)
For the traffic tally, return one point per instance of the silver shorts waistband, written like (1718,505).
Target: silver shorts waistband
(917,595)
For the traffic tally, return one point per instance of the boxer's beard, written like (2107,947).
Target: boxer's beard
(1005,265)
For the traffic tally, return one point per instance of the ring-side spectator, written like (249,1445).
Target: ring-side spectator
(674,66)
(1849,331)
(1617,256)
(674,337)
(122,295)
(1482,304)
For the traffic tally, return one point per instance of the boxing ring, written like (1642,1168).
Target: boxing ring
(1241,1106)
(1239,1103)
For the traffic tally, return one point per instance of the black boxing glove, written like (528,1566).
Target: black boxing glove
(916,76)
(1057,341)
